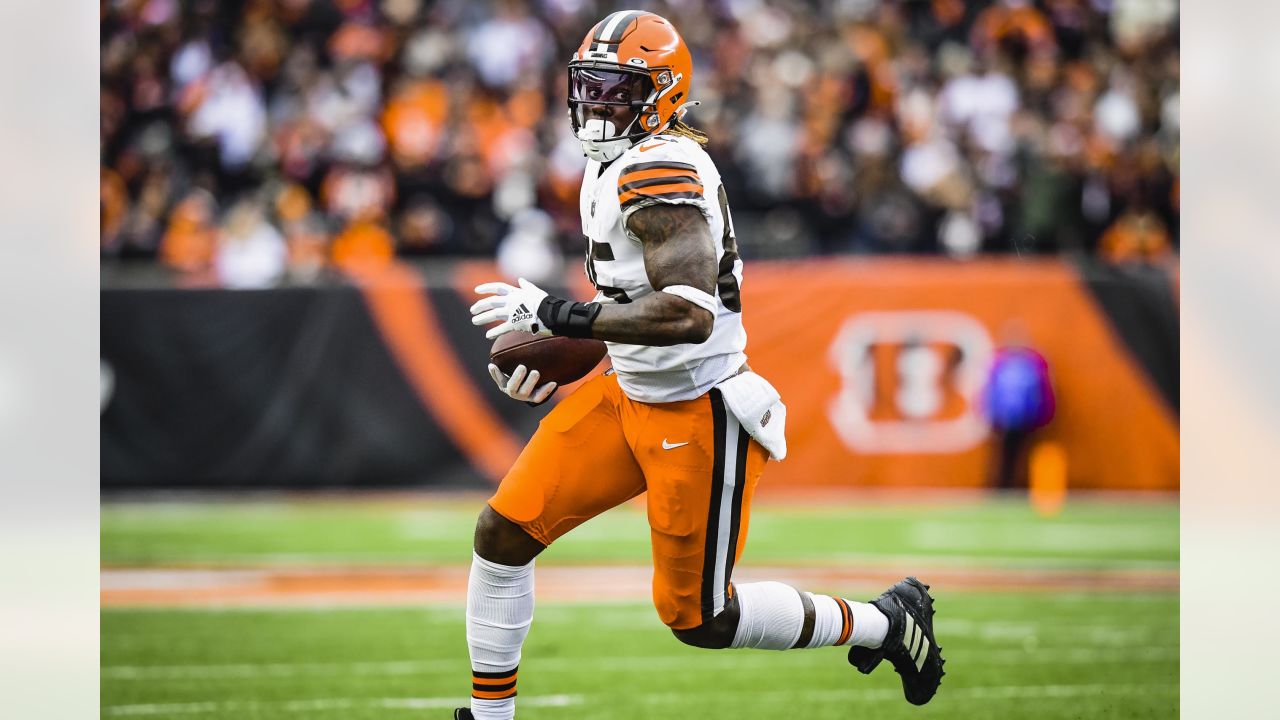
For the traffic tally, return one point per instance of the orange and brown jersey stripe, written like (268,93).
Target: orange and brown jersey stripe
(846,619)
(658,180)
(493,685)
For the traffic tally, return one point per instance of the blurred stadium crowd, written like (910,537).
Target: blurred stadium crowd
(245,142)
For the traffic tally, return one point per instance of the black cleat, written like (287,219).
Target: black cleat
(909,645)
(463,714)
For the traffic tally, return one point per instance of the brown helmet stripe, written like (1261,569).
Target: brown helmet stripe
(613,27)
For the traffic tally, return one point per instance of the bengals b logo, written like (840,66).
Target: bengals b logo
(910,381)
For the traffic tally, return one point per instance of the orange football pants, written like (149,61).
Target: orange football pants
(598,449)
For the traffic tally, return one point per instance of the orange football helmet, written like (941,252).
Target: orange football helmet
(635,60)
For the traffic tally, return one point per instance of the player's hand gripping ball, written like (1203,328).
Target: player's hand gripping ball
(514,308)
(559,360)
(522,384)
(525,353)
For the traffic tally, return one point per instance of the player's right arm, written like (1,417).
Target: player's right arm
(665,210)
(680,262)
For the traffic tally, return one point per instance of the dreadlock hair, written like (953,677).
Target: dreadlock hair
(683,129)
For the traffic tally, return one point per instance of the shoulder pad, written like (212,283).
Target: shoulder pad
(658,170)
(661,147)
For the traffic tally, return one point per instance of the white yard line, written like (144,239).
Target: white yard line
(854,696)
(983,693)
(1045,537)
(161,709)
(995,561)
(1076,656)
(277,670)
(646,663)
(318,704)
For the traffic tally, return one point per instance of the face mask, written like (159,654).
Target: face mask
(600,141)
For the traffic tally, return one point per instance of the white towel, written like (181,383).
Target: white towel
(759,408)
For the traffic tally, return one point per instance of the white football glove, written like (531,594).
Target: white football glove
(516,307)
(522,385)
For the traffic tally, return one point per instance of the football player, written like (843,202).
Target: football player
(680,416)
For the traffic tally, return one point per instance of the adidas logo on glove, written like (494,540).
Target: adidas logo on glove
(520,314)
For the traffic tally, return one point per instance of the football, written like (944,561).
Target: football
(557,359)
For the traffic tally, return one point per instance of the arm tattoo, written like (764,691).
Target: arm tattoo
(678,250)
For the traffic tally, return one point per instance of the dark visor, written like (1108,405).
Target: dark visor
(601,86)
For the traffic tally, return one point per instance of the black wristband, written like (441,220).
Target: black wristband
(567,319)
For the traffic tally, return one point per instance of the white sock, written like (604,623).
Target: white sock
(771,617)
(863,625)
(499,612)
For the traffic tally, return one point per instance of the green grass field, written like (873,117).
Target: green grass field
(1063,654)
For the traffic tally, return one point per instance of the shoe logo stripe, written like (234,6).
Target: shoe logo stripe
(916,644)
(924,653)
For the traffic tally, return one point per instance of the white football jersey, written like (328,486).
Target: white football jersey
(675,170)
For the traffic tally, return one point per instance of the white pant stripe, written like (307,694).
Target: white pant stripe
(724,528)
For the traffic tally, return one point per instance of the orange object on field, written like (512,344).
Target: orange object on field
(1047,478)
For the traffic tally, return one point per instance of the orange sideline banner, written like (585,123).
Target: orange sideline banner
(881,363)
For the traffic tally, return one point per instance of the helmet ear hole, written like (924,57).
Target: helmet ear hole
(676,98)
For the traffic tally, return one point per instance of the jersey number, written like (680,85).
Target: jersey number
(727,281)
(602,250)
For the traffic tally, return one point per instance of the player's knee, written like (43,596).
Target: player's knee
(715,634)
(501,541)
